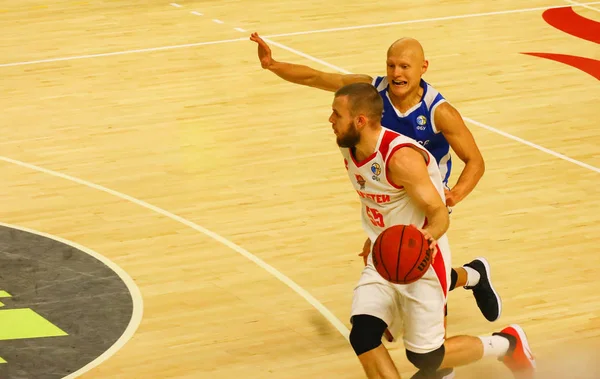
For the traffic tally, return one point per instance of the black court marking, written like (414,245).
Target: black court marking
(68,288)
(399,250)
(381,260)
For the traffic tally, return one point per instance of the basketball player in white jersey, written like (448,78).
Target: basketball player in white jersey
(408,189)
(414,108)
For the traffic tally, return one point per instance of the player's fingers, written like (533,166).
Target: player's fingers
(264,45)
(258,39)
(431,242)
(428,237)
(261,43)
(433,248)
(388,336)
(433,254)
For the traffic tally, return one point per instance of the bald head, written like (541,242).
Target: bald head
(408,48)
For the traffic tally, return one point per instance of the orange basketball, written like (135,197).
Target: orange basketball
(401,254)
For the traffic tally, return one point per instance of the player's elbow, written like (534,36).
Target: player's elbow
(482,166)
(476,163)
(445,218)
(479,163)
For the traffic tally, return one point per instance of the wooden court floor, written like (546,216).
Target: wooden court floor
(166,103)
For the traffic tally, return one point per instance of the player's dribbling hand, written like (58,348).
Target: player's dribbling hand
(264,51)
(432,242)
(366,250)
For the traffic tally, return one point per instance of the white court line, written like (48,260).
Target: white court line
(492,129)
(218,21)
(160,48)
(444,18)
(262,264)
(176,5)
(531,144)
(310,57)
(583,5)
(123,52)
(240,30)
(136,296)
(197,13)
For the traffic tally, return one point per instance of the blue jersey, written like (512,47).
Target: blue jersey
(418,123)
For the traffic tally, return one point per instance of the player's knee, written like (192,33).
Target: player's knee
(428,363)
(366,333)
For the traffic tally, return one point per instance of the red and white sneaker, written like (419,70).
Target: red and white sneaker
(519,358)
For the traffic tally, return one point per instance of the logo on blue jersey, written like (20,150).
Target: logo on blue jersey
(376,168)
(421,122)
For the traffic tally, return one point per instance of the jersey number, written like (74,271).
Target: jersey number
(375,217)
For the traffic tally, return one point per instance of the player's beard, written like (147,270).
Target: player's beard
(350,138)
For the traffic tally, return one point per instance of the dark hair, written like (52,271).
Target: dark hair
(363,98)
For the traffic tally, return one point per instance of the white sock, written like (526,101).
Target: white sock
(472,276)
(496,346)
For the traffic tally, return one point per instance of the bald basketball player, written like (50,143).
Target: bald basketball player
(415,109)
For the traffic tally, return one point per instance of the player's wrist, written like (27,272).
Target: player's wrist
(459,192)
(273,65)
(434,231)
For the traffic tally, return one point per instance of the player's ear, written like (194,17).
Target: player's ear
(425,66)
(361,121)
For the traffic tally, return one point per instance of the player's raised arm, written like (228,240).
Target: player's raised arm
(407,168)
(301,74)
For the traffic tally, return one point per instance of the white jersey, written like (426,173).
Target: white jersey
(415,310)
(383,203)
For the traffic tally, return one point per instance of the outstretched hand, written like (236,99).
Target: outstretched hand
(264,51)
